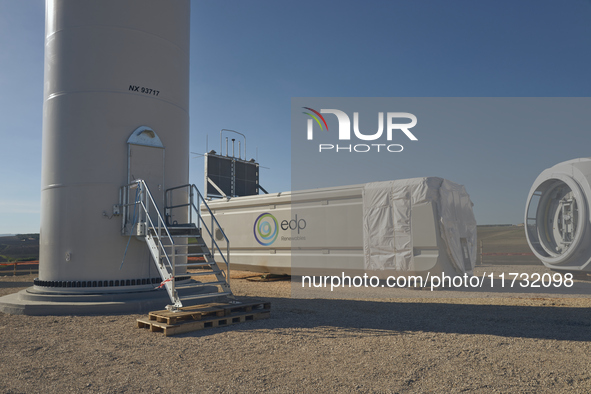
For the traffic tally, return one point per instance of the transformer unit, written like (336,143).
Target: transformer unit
(557,216)
(413,226)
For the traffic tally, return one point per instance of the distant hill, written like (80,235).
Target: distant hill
(508,243)
(19,247)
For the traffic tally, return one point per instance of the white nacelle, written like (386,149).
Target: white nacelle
(414,226)
(557,216)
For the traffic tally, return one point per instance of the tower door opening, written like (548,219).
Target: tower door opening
(145,155)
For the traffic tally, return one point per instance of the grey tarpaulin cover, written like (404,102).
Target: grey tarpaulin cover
(387,232)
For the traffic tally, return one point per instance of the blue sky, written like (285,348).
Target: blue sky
(249,58)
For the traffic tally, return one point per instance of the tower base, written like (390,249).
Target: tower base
(32,302)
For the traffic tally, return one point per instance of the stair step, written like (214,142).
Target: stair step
(202,264)
(184,235)
(192,254)
(200,284)
(206,273)
(205,295)
(201,267)
(175,228)
(177,231)
(185,246)
(189,255)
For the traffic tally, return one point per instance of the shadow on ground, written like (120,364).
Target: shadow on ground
(394,318)
(353,318)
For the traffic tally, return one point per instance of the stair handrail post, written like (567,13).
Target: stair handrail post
(139,200)
(166,197)
(190,208)
(123,203)
(144,199)
(173,281)
(147,204)
(228,261)
(212,235)
(159,226)
(198,206)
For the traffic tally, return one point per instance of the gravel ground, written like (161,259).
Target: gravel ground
(510,344)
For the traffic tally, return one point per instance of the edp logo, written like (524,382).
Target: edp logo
(293,224)
(266,228)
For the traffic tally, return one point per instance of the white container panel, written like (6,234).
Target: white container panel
(332,239)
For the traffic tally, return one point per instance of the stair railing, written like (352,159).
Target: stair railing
(194,211)
(137,221)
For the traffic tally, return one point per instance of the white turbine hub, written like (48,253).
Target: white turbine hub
(557,216)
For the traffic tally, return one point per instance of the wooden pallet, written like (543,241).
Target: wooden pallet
(203,316)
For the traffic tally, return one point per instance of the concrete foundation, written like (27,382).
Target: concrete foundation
(33,302)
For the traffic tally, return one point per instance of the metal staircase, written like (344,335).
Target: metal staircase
(176,246)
